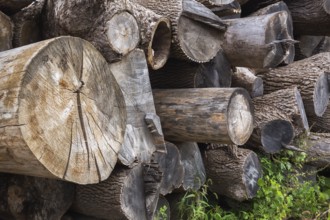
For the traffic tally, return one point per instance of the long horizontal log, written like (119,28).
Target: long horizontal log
(309,75)
(243,77)
(205,115)
(54,119)
(6,34)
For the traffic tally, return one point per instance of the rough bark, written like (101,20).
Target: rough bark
(181,74)
(194,170)
(244,78)
(132,76)
(205,115)
(311,45)
(254,5)
(13,6)
(6,34)
(235,178)
(258,41)
(54,120)
(286,104)
(32,198)
(121,196)
(27,24)
(309,75)
(310,17)
(321,124)
(189,19)
(108,25)
(225,9)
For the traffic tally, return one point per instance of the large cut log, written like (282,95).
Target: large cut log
(181,74)
(107,25)
(119,197)
(132,76)
(55,121)
(27,24)
(310,17)
(223,8)
(236,178)
(311,45)
(309,75)
(6,34)
(194,170)
(205,115)
(12,6)
(243,77)
(258,41)
(189,19)
(285,104)
(23,197)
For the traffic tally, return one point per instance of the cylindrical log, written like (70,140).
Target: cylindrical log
(132,76)
(244,78)
(309,75)
(163,211)
(236,178)
(225,9)
(6,34)
(258,41)
(188,20)
(253,6)
(13,6)
(321,124)
(311,45)
(285,104)
(194,170)
(181,74)
(27,23)
(310,17)
(119,197)
(205,115)
(108,26)
(54,119)
(23,197)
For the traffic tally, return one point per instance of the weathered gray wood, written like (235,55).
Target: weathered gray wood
(119,197)
(194,170)
(132,76)
(205,115)
(236,178)
(55,121)
(311,45)
(189,19)
(13,6)
(309,75)
(258,41)
(6,34)
(108,25)
(23,197)
(27,24)
(223,8)
(243,77)
(181,74)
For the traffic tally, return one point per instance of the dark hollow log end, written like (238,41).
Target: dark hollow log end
(321,94)
(165,206)
(198,41)
(160,44)
(257,88)
(302,114)
(240,117)
(276,133)
(252,172)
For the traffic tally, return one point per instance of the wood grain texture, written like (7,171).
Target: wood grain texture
(309,75)
(225,9)
(320,124)
(205,115)
(6,34)
(55,120)
(12,6)
(244,78)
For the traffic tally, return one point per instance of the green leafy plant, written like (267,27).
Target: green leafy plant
(162,213)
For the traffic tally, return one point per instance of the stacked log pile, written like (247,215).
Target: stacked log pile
(110,109)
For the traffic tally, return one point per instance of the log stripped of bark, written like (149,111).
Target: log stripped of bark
(194,170)
(195,29)
(287,104)
(6,33)
(54,119)
(107,25)
(236,178)
(132,76)
(244,78)
(181,74)
(26,24)
(205,115)
(13,6)
(119,197)
(310,17)
(223,8)
(23,197)
(258,41)
(309,75)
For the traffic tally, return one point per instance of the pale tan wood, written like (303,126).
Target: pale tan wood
(243,77)
(6,33)
(55,119)
(205,115)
